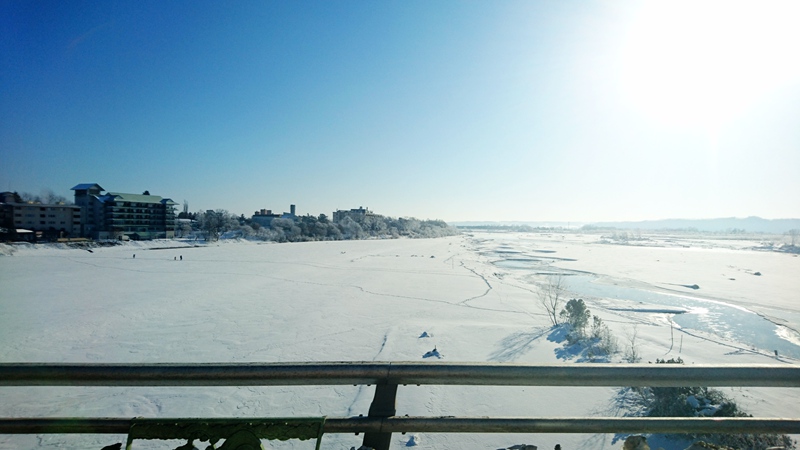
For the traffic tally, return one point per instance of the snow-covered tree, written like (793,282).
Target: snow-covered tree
(351,229)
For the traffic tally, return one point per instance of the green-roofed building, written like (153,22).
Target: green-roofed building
(117,215)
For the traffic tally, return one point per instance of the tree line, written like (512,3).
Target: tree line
(45,197)
(213,225)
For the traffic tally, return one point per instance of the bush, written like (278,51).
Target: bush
(606,342)
(577,316)
(600,343)
(705,402)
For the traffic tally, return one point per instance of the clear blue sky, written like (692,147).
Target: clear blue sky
(510,110)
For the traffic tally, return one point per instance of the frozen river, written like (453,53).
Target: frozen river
(374,300)
(763,329)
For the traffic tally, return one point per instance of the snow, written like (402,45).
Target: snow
(374,300)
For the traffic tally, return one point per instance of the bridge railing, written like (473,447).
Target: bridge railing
(382,420)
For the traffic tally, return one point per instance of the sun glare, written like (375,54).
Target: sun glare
(700,64)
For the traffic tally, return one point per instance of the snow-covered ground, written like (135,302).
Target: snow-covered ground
(471,297)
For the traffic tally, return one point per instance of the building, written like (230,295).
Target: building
(34,221)
(355,214)
(116,215)
(266,216)
(84,193)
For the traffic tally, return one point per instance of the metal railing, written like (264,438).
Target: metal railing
(382,419)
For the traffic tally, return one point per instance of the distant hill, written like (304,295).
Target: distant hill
(749,224)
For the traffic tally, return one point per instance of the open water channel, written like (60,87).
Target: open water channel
(718,318)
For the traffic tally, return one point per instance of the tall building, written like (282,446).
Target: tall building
(116,215)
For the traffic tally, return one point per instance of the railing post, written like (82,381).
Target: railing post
(383,405)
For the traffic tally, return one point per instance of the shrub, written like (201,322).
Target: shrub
(577,316)
(600,343)
(606,341)
(705,402)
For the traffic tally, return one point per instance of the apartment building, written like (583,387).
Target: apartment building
(32,221)
(117,215)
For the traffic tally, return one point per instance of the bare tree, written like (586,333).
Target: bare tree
(551,295)
(50,197)
(47,196)
(632,347)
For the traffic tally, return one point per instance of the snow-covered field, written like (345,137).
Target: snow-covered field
(472,296)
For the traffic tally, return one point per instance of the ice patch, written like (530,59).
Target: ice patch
(652,310)
(697,310)
(788,334)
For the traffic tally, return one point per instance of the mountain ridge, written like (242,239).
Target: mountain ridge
(751,224)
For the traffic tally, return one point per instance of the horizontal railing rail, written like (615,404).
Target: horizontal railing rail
(450,424)
(486,374)
(382,421)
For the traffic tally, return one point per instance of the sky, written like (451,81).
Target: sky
(510,111)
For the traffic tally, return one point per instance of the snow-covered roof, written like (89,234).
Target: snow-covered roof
(104,198)
(86,186)
(136,198)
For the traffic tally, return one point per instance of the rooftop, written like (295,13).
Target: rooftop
(86,186)
(136,198)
